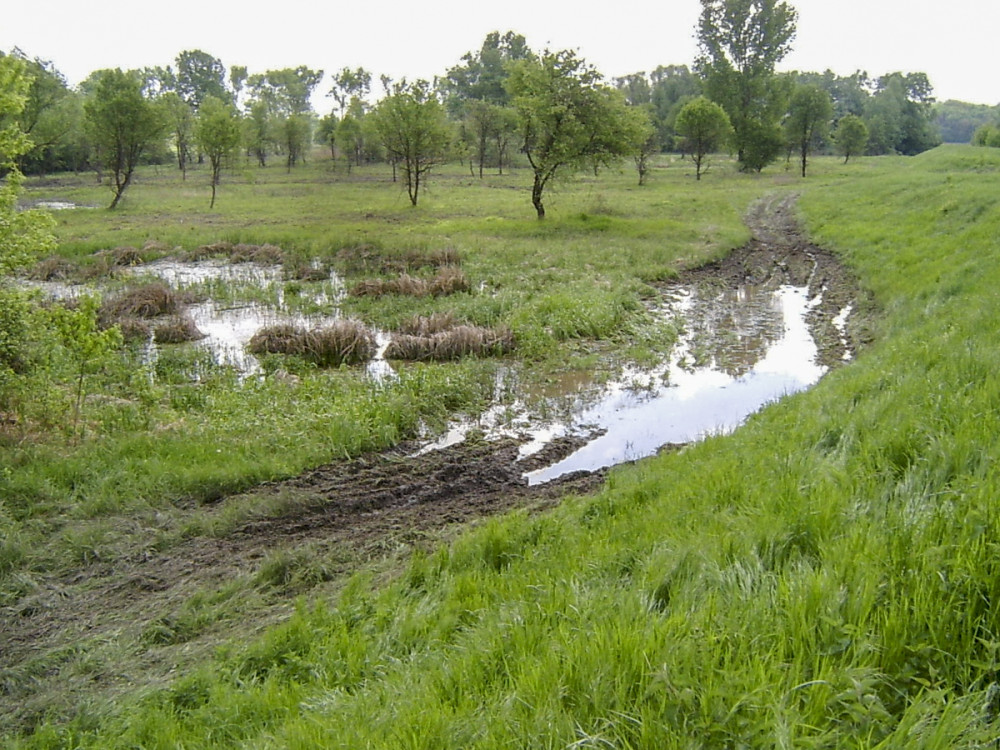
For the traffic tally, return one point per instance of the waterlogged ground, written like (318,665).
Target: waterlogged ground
(768,320)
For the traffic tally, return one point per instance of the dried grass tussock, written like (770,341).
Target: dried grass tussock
(176,330)
(239,253)
(343,342)
(370,259)
(455,343)
(146,301)
(449,280)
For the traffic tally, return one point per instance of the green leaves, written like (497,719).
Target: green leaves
(569,118)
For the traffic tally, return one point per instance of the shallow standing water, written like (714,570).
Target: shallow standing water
(717,377)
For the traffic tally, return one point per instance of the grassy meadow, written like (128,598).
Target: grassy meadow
(827,576)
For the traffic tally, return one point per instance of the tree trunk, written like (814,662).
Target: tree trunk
(536,196)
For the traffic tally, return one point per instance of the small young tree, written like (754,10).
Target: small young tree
(648,142)
(568,118)
(808,121)
(851,137)
(217,134)
(123,124)
(88,346)
(704,127)
(412,126)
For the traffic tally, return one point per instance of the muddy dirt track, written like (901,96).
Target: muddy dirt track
(345,513)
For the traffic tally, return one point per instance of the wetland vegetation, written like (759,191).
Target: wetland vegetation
(199,558)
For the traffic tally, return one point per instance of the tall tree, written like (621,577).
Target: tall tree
(704,127)
(412,125)
(123,124)
(283,99)
(673,86)
(808,121)
(200,75)
(476,94)
(851,136)
(740,43)
(349,84)
(217,134)
(568,118)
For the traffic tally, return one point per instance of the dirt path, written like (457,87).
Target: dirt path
(338,516)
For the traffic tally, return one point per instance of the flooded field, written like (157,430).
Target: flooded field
(740,348)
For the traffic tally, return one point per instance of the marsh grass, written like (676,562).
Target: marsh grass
(452,343)
(448,280)
(342,342)
(825,577)
(144,301)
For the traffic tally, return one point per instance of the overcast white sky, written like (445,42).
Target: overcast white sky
(954,42)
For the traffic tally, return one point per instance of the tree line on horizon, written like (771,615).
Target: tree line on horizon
(494,105)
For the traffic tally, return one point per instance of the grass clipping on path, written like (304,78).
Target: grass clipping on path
(343,342)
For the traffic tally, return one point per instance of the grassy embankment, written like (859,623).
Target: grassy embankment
(825,577)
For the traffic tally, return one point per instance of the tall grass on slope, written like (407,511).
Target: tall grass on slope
(826,577)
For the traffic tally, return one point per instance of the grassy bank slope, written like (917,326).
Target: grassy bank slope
(828,576)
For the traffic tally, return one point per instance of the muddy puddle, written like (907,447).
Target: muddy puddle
(740,349)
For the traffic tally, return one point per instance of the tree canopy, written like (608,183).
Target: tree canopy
(568,118)
(124,123)
(740,43)
(414,130)
(704,127)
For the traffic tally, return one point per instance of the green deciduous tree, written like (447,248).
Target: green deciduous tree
(851,136)
(704,127)
(740,43)
(280,107)
(900,114)
(23,234)
(123,124)
(808,120)
(476,95)
(179,119)
(413,128)
(217,134)
(88,346)
(349,84)
(200,75)
(568,118)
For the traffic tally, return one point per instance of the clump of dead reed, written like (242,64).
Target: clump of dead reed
(54,268)
(342,342)
(428,325)
(449,280)
(120,257)
(454,343)
(176,330)
(145,301)
(360,259)
(239,252)
(133,329)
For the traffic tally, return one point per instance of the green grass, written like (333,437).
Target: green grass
(825,577)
